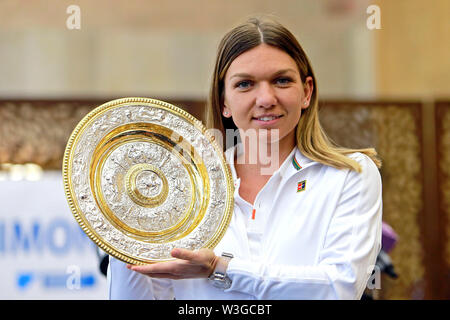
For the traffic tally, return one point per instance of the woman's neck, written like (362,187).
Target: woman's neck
(264,158)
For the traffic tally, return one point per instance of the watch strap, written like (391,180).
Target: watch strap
(219,276)
(221,266)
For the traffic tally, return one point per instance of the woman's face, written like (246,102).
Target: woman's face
(263,90)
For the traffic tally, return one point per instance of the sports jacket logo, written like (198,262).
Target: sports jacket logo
(301,186)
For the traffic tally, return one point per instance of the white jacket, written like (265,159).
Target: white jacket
(316,234)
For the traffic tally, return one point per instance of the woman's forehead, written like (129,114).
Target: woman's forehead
(263,59)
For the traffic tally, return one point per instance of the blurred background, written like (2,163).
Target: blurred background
(383,72)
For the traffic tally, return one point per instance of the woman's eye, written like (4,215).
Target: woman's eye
(243,84)
(283,81)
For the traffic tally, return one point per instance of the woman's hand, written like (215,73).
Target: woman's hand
(189,264)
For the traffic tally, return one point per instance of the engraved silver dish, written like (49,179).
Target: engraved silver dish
(143,177)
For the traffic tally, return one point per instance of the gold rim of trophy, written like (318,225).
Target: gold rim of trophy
(188,222)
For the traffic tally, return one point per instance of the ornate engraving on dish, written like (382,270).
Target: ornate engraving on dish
(142,178)
(147,206)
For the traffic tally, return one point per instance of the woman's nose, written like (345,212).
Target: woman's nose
(266,97)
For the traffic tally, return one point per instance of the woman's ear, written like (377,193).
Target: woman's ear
(308,88)
(226,111)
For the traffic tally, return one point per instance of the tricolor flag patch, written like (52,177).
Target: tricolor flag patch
(296,164)
(301,186)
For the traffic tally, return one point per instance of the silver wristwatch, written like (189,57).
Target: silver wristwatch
(219,278)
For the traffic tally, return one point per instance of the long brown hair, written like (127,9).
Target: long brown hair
(311,139)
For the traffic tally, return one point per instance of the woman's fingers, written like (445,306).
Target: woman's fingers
(164,276)
(189,264)
(184,254)
(160,267)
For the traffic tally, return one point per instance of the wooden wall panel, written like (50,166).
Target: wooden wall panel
(442,113)
(38,130)
(394,129)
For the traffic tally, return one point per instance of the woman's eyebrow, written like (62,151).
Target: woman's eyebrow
(283,71)
(241,75)
(246,75)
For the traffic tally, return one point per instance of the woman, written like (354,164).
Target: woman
(307,219)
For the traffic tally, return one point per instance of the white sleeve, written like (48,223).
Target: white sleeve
(125,284)
(352,243)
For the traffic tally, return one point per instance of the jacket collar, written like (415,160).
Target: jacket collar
(299,161)
(295,162)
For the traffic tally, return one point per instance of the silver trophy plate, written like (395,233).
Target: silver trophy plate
(143,177)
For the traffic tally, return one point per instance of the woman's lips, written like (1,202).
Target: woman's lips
(267,119)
